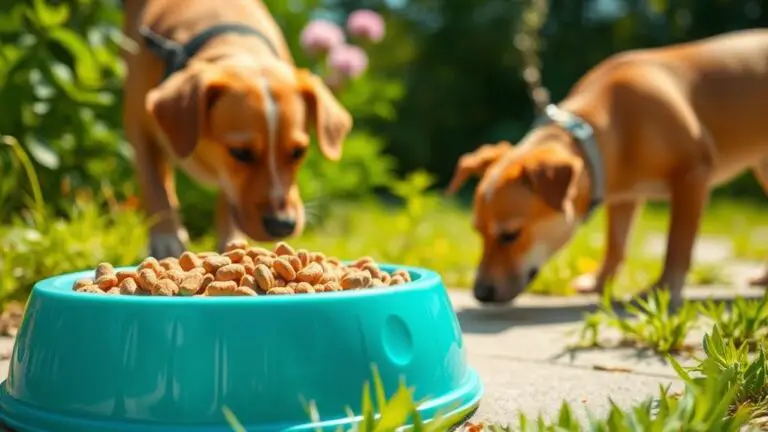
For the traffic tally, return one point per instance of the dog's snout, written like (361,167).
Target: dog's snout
(532,273)
(484,292)
(279,226)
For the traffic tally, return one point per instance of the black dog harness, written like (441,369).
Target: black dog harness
(584,135)
(176,56)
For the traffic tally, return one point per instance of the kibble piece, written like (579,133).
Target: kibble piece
(361,262)
(147,279)
(284,269)
(255,252)
(248,264)
(245,291)
(264,278)
(198,270)
(283,248)
(311,273)
(303,288)
(104,269)
(280,291)
(396,280)
(82,283)
(319,287)
(114,291)
(213,263)
(188,261)
(303,256)
(403,274)
(317,257)
(266,260)
(166,288)
(236,244)
(221,288)
(170,263)
(356,281)
(378,283)
(230,272)
(150,263)
(191,284)
(373,270)
(332,286)
(328,277)
(279,283)
(93,289)
(126,274)
(106,281)
(248,281)
(385,277)
(294,260)
(206,254)
(129,286)
(177,276)
(207,279)
(235,255)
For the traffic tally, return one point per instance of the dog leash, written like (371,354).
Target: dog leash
(176,55)
(582,131)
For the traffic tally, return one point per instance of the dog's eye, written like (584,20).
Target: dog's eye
(508,236)
(297,153)
(242,154)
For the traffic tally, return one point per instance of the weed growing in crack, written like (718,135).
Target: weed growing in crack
(744,323)
(650,325)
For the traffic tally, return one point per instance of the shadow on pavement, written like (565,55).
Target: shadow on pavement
(496,319)
(490,320)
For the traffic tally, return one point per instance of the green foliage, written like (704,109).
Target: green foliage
(744,323)
(38,244)
(747,378)
(651,325)
(60,84)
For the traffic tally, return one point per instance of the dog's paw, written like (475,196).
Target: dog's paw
(166,245)
(586,284)
(760,281)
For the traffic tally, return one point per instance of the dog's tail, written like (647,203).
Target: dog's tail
(526,39)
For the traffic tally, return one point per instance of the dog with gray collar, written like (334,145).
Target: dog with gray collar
(666,123)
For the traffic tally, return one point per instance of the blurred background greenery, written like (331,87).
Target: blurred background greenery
(446,78)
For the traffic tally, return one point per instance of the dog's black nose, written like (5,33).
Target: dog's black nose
(532,273)
(278,226)
(485,293)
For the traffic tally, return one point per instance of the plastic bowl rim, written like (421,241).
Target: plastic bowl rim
(51,287)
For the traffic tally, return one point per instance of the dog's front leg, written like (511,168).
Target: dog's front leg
(226,228)
(761,173)
(689,193)
(620,219)
(167,236)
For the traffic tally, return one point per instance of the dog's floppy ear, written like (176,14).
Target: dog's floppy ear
(179,107)
(554,182)
(332,121)
(476,163)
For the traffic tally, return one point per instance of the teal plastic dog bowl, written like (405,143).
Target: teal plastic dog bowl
(98,363)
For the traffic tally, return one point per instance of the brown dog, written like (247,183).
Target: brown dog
(667,123)
(231,110)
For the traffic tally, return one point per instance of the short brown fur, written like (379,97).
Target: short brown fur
(671,123)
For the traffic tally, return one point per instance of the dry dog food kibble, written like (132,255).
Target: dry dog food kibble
(242,270)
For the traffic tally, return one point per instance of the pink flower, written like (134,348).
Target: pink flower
(349,61)
(366,24)
(319,36)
